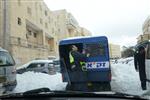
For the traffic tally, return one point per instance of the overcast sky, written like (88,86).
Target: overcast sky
(120,20)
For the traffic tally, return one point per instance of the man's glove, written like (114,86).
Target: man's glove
(88,55)
(73,66)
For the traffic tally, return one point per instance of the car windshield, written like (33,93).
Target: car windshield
(6,59)
(75,45)
(35,65)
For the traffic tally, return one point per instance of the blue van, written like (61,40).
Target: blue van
(97,66)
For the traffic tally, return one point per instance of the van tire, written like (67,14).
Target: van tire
(77,87)
(96,86)
(103,86)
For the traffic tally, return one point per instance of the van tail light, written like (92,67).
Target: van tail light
(110,76)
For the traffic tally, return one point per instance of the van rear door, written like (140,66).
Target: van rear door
(98,66)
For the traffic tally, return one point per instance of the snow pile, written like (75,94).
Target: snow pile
(125,79)
(31,80)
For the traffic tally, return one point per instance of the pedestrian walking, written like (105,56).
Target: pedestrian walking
(139,62)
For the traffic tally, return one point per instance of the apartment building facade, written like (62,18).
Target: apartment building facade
(29,30)
(28,27)
(146,31)
(114,51)
(84,32)
(68,26)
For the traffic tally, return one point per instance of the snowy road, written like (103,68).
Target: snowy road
(124,79)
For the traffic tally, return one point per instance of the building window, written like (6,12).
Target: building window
(29,10)
(40,7)
(52,30)
(55,23)
(35,35)
(27,36)
(57,17)
(29,32)
(19,40)
(46,26)
(29,46)
(19,2)
(41,21)
(19,21)
(146,29)
(45,13)
(59,30)
(49,19)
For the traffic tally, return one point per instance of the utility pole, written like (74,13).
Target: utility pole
(6,25)
(1,23)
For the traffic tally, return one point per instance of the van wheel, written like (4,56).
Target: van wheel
(77,87)
(68,87)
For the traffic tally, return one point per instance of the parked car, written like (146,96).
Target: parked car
(44,66)
(7,71)
(57,65)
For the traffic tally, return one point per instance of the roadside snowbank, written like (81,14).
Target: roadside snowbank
(31,80)
(125,79)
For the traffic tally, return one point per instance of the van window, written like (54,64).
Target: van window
(95,49)
(35,65)
(6,59)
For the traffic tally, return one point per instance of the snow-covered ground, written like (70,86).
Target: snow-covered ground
(30,80)
(125,79)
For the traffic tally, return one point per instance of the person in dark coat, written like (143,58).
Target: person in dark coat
(76,58)
(77,74)
(139,59)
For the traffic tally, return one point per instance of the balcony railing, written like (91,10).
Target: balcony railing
(25,43)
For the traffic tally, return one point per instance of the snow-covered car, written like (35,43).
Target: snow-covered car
(7,71)
(44,66)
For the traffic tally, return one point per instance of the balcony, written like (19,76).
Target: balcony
(33,26)
(71,22)
(24,43)
(49,36)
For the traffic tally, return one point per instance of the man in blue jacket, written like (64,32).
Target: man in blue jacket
(78,75)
